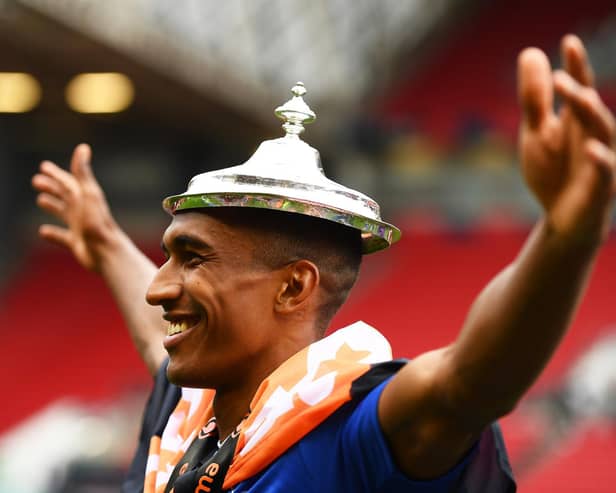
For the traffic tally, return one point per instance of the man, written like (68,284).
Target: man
(244,314)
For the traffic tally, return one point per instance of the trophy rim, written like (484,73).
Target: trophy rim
(375,235)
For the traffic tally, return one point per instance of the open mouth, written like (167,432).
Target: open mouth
(179,325)
(176,328)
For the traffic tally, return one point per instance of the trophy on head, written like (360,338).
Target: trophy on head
(285,174)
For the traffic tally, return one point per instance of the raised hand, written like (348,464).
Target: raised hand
(568,158)
(442,400)
(99,244)
(76,199)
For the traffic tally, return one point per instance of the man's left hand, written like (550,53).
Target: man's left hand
(568,158)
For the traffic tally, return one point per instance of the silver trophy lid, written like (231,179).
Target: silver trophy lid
(285,174)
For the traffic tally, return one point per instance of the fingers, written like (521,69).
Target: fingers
(56,234)
(575,60)
(604,156)
(535,87)
(55,187)
(44,183)
(65,181)
(80,163)
(57,181)
(585,103)
(51,204)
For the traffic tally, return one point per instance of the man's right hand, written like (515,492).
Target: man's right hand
(77,200)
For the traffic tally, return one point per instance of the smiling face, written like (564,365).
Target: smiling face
(219,303)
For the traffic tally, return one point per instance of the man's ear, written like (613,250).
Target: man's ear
(300,283)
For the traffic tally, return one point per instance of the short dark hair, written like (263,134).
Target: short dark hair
(286,237)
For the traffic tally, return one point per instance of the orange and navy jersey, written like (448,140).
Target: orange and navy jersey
(312,426)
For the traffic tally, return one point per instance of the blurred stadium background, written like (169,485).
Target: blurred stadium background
(416,107)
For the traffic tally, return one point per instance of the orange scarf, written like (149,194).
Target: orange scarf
(298,396)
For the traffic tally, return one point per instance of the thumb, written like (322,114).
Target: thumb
(80,163)
(535,87)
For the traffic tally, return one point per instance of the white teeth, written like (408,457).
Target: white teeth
(176,328)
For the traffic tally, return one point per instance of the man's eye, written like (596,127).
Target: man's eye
(194,260)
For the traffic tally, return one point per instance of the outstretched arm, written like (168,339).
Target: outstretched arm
(99,244)
(437,406)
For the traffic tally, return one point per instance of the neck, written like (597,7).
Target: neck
(229,409)
(232,402)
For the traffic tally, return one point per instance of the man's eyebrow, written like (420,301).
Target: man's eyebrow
(183,242)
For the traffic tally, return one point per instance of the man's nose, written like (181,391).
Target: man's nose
(165,287)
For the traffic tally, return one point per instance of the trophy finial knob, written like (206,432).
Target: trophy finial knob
(295,112)
(298,89)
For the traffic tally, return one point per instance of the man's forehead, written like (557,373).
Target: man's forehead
(196,223)
(191,216)
(206,225)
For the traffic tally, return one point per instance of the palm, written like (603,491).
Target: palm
(77,243)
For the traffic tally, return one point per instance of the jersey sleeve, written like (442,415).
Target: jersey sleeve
(368,459)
